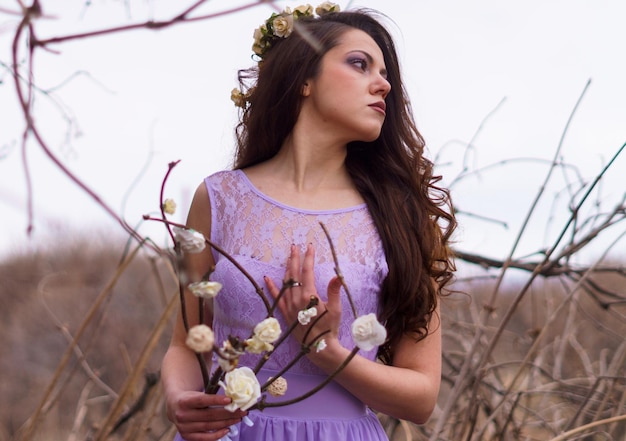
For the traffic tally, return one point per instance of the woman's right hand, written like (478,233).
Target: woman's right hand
(202,417)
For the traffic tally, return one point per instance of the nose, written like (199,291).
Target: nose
(381,86)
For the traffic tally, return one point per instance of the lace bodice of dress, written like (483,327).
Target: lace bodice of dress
(258,232)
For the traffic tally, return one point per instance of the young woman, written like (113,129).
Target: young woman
(326,136)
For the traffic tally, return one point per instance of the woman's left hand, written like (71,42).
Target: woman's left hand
(296,298)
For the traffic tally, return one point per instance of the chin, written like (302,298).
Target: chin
(371,137)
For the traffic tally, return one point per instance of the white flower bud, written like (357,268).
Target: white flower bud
(320,345)
(169,206)
(200,338)
(305,316)
(205,289)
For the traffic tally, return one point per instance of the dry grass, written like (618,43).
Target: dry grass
(45,300)
(83,323)
(557,365)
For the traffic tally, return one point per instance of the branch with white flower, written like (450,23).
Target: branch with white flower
(193,239)
(241,383)
(246,393)
(313,302)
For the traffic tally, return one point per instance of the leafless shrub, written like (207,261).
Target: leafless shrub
(51,330)
(538,359)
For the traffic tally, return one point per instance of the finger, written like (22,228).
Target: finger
(200,400)
(207,426)
(203,435)
(334,295)
(271,287)
(308,273)
(293,268)
(291,299)
(211,415)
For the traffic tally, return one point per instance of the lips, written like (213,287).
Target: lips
(379,106)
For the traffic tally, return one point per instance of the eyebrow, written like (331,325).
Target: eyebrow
(370,59)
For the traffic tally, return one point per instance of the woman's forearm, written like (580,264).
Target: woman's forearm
(408,390)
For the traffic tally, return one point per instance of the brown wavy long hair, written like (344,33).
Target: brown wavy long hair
(413,215)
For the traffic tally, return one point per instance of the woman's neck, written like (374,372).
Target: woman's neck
(306,165)
(307,175)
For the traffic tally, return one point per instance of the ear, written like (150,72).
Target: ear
(306,89)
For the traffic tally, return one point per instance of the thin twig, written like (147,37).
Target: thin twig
(338,270)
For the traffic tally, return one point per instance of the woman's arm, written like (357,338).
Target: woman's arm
(192,411)
(407,389)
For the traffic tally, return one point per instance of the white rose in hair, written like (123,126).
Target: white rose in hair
(283,25)
(367,332)
(306,10)
(242,386)
(327,7)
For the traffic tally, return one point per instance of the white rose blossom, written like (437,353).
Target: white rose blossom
(327,7)
(306,10)
(200,338)
(283,25)
(278,387)
(267,330)
(258,33)
(259,46)
(305,316)
(367,332)
(242,386)
(254,345)
(191,241)
(206,289)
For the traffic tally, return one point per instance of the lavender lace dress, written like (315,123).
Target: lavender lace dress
(258,232)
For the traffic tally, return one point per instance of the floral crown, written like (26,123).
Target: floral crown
(277,26)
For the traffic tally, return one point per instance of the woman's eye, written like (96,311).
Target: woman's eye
(361,63)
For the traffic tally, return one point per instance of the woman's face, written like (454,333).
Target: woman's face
(347,97)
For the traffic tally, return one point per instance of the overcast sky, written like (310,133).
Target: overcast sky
(118,108)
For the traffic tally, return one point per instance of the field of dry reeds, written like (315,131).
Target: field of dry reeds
(85,324)
(534,342)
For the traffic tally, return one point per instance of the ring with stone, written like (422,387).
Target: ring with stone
(295,284)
